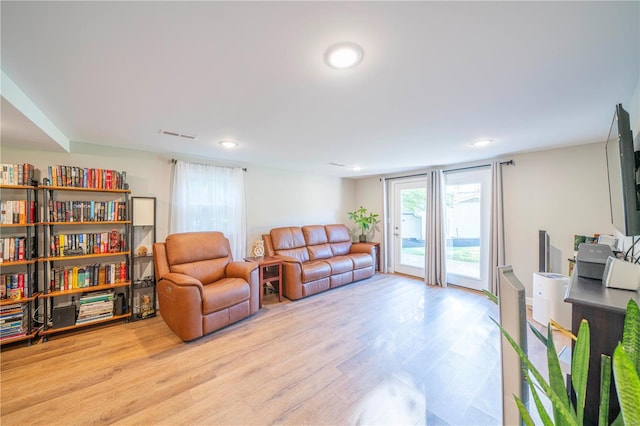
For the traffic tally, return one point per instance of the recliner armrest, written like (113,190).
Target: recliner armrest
(240,270)
(183,280)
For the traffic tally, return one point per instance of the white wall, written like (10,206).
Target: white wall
(274,198)
(562,191)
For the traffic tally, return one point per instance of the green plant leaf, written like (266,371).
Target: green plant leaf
(538,334)
(605,386)
(631,334)
(580,367)
(542,412)
(491,296)
(556,381)
(565,410)
(526,417)
(627,386)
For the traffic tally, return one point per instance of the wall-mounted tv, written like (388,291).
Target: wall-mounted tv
(622,166)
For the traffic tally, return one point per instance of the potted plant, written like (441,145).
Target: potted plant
(625,365)
(365,221)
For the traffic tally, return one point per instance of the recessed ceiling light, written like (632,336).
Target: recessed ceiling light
(343,55)
(228,144)
(356,168)
(483,142)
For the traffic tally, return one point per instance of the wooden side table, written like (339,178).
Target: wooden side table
(270,270)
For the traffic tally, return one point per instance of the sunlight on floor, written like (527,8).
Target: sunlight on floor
(394,402)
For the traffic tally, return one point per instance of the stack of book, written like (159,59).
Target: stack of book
(95,306)
(12,321)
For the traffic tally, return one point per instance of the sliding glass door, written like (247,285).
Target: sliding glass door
(467,212)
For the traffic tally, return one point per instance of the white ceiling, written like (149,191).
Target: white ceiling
(435,77)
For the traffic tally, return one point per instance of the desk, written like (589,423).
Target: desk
(604,308)
(270,270)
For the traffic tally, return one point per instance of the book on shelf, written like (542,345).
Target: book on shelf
(83,177)
(17,174)
(87,243)
(12,321)
(14,285)
(13,249)
(86,276)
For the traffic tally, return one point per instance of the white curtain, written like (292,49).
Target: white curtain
(209,198)
(435,272)
(496,228)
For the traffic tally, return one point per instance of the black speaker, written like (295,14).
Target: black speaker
(121,304)
(64,316)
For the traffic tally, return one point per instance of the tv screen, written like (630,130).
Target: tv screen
(621,169)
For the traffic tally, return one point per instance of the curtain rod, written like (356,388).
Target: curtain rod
(502,163)
(174,161)
(404,177)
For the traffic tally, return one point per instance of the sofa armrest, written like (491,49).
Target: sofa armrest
(180,297)
(247,271)
(183,280)
(362,248)
(240,270)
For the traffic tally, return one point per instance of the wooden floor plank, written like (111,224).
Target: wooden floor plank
(388,348)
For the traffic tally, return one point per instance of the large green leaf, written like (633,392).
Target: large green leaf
(627,386)
(605,386)
(538,334)
(580,367)
(544,416)
(564,409)
(526,417)
(631,334)
(555,378)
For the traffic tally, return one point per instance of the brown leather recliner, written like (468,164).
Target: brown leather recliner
(200,288)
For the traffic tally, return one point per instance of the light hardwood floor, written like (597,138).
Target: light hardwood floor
(387,350)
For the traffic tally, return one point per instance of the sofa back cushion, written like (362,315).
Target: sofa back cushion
(316,238)
(339,239)
(202,255)
(289,241)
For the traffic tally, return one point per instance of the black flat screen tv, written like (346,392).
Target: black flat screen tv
(622,166)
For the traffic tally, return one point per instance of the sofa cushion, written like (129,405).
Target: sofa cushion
(203,255)
(314,234)
(361,260)
(320,251)
(337,233)
(340,249)
(340,264)
(312,271)
(287,238)
(205,271)
(224,293)
(301,254)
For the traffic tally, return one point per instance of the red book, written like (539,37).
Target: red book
(21,285)
(123,271)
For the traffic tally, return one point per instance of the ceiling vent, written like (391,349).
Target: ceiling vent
(177,135)
(333,163)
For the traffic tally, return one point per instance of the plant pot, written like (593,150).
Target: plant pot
(362,238)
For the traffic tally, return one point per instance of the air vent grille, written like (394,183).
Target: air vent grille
(177,135)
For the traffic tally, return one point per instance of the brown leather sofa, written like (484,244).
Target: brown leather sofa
(200,288)
(318,257)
